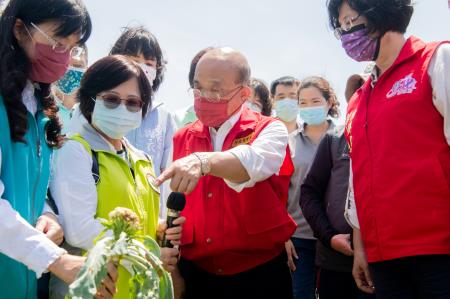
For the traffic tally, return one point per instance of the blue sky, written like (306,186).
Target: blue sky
(278,37)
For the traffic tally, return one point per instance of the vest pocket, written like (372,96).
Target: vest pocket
(262,221)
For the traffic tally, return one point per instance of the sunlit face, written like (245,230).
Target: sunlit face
(140,59)
(312,97)
(349,18)
(44,33)
(215,79)
(283,91)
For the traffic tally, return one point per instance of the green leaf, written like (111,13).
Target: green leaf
(93,271)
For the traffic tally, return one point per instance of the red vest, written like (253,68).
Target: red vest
(228,232)
(401,160)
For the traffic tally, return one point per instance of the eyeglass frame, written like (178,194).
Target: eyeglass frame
(339,31)
(55,44)
(124,101)
(218,97)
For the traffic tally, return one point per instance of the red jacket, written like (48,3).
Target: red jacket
(228,232)
(401,160)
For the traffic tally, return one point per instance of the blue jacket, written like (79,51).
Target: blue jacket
(25,171)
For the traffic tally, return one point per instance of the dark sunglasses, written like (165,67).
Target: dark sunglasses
(113,101)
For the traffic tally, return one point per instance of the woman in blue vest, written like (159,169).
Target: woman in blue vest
(36,42)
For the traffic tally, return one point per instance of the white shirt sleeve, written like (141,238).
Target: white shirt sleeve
(73,188)
(350,212)
(22,242)
(439,72)
(264,157)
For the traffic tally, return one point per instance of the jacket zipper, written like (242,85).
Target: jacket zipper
(38,168)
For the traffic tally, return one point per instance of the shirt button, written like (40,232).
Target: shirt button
(209,240)
(219,270)
(209,195)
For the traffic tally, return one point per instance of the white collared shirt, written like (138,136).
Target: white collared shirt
(262,159)
(18,239)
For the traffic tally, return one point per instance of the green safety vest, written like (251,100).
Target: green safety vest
(120,187)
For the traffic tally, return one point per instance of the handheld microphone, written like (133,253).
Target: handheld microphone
(175,204)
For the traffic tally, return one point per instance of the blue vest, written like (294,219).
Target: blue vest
(25,171)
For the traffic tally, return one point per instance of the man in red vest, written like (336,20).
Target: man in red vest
(233,165)
(398,130)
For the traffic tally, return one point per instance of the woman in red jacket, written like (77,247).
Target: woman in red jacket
(398,129)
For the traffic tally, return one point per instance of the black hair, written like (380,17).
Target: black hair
(286,80)
(15,66)
(194,63)
(107,73)
(138,40)
(325,89)
(382,15)
(260,89)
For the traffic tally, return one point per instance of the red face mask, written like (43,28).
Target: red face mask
(48,66)
(215,113)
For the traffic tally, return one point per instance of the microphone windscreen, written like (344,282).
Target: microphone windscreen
(176,201)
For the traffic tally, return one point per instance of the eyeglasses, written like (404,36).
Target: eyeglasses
(346,27)
(112,101)
(57,46)
(212,96)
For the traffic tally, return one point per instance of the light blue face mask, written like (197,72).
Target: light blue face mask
(116,122)
(286,109)
(314,115)
(71,80)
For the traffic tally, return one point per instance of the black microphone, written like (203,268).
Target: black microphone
(175,204)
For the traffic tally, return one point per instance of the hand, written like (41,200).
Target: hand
(49,225)
(361,272)
(341,243)
(173,234)
(169,258)
(291,254)
(66,267)
(108,287)
(184,172)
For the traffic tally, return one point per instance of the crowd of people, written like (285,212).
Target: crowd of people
(281,202)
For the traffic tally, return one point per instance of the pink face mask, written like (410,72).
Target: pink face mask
(214,114)
(48,66)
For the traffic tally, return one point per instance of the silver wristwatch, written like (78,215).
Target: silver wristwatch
(204,163)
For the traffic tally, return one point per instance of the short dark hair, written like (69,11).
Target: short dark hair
(325,89)
(382,15)
(138,40)
(194,63)
(286,80)
(107,73)
(260,89)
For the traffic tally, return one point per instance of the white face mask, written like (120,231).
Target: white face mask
(253,106)
(117,122)
(150,72)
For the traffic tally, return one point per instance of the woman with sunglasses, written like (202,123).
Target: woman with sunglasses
(398,130)
(36,42)
(114,96)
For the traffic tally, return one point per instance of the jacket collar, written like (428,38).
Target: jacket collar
(410,48)
(98,143)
